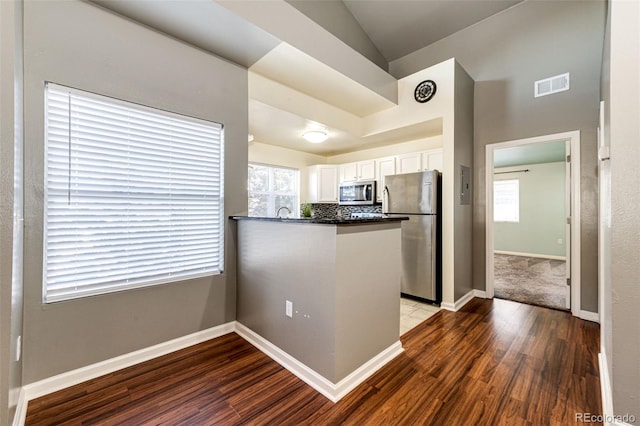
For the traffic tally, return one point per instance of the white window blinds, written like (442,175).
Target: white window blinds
(133,196)
(506,200)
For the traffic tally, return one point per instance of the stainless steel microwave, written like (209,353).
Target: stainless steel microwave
(357,193)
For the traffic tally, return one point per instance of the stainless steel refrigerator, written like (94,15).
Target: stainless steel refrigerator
(417,195)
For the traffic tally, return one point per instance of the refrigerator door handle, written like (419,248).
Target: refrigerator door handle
(385,199)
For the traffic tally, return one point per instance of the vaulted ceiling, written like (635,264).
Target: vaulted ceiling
(400,27)
(332,53)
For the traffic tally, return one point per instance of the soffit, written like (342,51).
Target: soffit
(293,68)
(282,128)
(201,23)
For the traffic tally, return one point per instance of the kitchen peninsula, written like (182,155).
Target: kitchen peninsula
(321,296)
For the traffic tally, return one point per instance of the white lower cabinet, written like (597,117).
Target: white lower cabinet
(323,184)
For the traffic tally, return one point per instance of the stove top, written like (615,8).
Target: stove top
(366,215)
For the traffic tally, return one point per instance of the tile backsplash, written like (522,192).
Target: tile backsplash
(320,211)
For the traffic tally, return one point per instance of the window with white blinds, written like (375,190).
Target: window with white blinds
(506,200)
(133,196)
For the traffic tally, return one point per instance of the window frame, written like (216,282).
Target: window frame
(217,225)
(271,193)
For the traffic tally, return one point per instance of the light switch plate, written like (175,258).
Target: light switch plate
(288,309)
(465,185)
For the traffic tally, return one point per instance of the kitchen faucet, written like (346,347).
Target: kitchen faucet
(283,207)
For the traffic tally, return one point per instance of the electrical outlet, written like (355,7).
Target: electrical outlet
(560,241)
(288,309)
(18,348)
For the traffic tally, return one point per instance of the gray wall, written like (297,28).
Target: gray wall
(334,17)
(622,97)
(542,211)
(505,54)
(11,127)
(80,45)
(463,156)
(344,282)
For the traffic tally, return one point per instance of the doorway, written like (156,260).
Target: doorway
(532,220)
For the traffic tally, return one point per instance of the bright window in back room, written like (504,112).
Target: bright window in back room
(506,200)
(133,196)
(272,188)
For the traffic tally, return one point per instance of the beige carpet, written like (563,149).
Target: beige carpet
(530,280)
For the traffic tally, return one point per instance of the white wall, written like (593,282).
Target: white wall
(622,97)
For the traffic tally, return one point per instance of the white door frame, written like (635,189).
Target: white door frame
(574,142)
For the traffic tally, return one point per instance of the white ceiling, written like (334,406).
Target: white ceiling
(278,127)
(334,98)
(400,27)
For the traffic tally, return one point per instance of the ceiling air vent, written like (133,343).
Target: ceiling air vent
(550,85)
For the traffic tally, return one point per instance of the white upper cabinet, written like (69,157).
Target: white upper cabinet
(324,178)
(323,184)
(348,172)
(367,170)
(419,161)
(409,163)
(362,170)
(384,167)
(432,160)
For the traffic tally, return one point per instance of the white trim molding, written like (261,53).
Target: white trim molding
(607,393)
(333,391)
(589,316)
(573,137)
(458,304)
(20,415)
(74,377)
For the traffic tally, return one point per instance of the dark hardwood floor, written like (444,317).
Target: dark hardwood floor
(494,362)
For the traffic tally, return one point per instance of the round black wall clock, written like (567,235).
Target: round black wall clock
(425,91)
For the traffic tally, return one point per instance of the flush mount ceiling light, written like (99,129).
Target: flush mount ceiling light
(315,136)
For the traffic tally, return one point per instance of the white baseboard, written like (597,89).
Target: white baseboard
(589,316)
(333,391)
(21,409)
(480,294)
(541,256)
(607,394)
(61,381)
(605,384)
(458,304)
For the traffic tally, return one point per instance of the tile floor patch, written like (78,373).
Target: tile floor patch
(413,313)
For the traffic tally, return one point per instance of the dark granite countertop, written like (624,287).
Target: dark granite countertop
(326,221)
